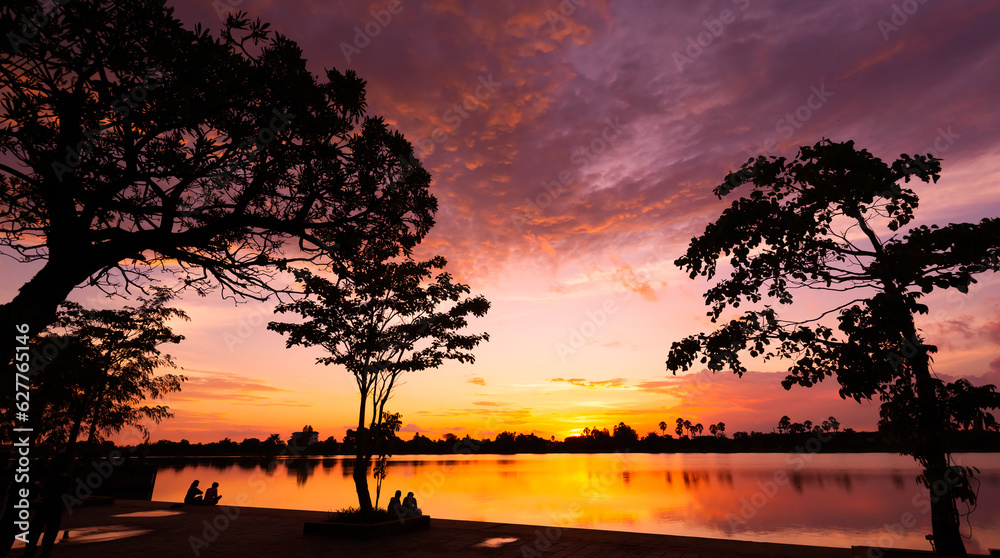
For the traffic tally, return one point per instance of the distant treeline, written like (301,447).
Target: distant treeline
(620,439)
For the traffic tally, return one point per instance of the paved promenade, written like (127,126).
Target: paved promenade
(134,528)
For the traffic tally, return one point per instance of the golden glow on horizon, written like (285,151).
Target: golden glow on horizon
(824,500)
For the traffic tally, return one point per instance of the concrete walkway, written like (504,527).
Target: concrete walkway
(134,528)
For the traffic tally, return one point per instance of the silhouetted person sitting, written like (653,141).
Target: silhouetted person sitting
(193,495)
(395,507)
(212,495)
(410,505)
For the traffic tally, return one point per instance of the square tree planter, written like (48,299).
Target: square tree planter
(367,530)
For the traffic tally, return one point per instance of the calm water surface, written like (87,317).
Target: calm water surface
(821,499)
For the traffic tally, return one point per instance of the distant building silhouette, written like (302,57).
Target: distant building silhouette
(306,437)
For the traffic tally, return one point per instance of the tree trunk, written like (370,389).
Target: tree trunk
(361,485)
(36,304)
(74,433)
(944,511)
(362,456)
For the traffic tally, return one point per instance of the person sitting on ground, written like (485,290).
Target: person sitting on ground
(193,495)
(410,505)
(395,507)
(212,495)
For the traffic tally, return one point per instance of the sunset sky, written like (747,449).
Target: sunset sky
(573,148)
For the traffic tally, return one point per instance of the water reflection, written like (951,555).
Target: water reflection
(301,469)
(834,500)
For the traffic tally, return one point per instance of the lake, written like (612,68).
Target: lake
(819,499)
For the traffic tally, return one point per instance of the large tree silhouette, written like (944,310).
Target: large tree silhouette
(102,380)
(379,319)
(838,219)
(105,375)
(130,144)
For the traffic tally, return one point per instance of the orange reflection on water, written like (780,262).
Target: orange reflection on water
(830,500)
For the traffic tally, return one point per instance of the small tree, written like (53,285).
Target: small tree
(663,427)
(379,320)
(680,427)
(833,219)
(784,425)
(273,444)
(101,379)
(625,435)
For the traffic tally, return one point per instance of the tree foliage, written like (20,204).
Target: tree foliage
(105,374)
(840,220)
(378,319)
(625,435)
(130,143)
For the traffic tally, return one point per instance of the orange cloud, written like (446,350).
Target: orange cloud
(210,385)
(612,383)
(628,279)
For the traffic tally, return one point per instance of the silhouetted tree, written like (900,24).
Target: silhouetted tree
(378,320)
(697,429)
(129,144)
(784,424)
(273,444)
(680,427)
(625,435)
(663,427)
(100,380)
(820,222)
(599,437)
(718,430)
(529,443)
(504,441)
